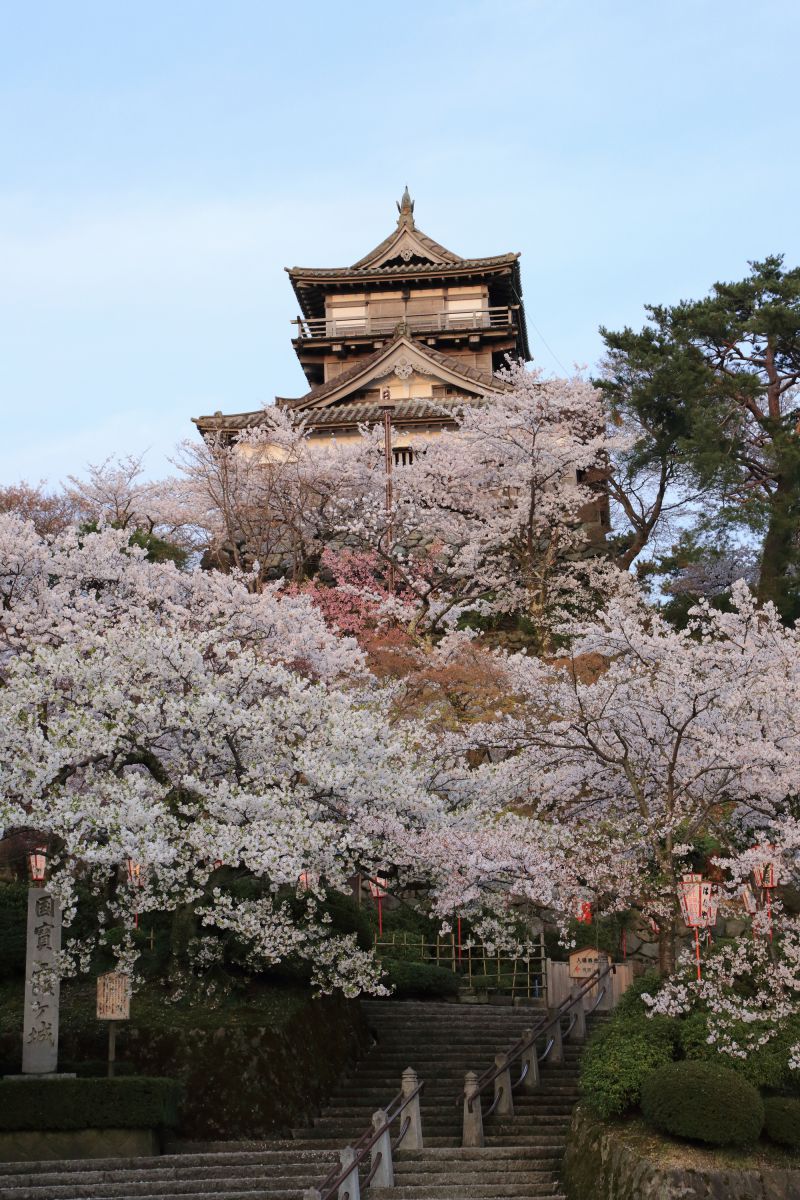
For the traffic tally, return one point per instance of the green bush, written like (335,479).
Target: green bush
(413,980)
(95,1068)
(703,1102)
(13,928)
(782,1121)
(618,1059)
(132,1103)
(630,1002)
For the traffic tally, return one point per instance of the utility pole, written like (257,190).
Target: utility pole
(388,458)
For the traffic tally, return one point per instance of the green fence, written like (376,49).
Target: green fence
(482,969)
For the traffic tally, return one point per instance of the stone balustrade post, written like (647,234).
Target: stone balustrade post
(556,1054)
(473,1116)
(577,1014)
(530,1059)
(502,1088)
(381,1153)
(349,1188)
(609,997)
(413,1138)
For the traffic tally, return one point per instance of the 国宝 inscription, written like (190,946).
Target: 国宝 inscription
(40,1030)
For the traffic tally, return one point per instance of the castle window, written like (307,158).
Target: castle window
(403,456)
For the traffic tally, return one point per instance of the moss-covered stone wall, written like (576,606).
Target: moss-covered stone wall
(248,1072)
(615,1162)
(245,1081)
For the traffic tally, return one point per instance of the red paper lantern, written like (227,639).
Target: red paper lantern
(37,865)
(584,916)
(765,873)
(699,904)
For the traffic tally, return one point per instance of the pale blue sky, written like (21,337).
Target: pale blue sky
(160,163)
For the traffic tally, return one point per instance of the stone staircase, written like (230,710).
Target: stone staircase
(441,1042)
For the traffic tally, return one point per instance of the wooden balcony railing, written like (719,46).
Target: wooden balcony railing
(384,326)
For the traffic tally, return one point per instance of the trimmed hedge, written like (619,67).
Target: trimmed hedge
(702,1102)
(132,1103)
(782,1121)
(413,980)
(618,1059)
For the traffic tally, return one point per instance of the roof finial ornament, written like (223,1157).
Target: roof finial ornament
(405,207)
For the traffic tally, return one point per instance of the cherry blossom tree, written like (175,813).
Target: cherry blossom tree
(491,515)
(50,511)
(645,738)
(190,724)
(262,499)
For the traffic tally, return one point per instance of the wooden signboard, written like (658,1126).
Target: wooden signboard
(583,963)
(113,996)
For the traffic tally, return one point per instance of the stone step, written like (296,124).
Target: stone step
(520,1172)
(459,1190)
(173,1191)
(466,1154)
(284,1170)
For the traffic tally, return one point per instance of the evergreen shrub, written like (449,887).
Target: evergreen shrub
(414,980)
(782,1121)
(618,1059)
(13,928)
(702,1102)
(136,1102)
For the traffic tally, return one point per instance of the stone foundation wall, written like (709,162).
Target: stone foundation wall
(603,1162)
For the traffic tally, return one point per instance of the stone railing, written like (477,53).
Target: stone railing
(376,1143)
(595,992)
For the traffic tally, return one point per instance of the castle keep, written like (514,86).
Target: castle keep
(411,323)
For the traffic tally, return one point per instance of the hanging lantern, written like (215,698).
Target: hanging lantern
(584,914)
(699,904)
(749,900)
(37,865)
(307,880)
(765,874)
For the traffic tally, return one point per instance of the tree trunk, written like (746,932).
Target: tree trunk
(666,949)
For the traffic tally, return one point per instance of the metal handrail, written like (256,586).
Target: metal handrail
(495,1102)
(541,1057)
(523,1044)
(522,1078)
(404,1128)
(362,1146)
(600,995)
(442,320)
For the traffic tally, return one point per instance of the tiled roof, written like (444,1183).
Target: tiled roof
(449,361)
(297,274)
(341,414)
(335,414)
(434,248)
(365,413)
